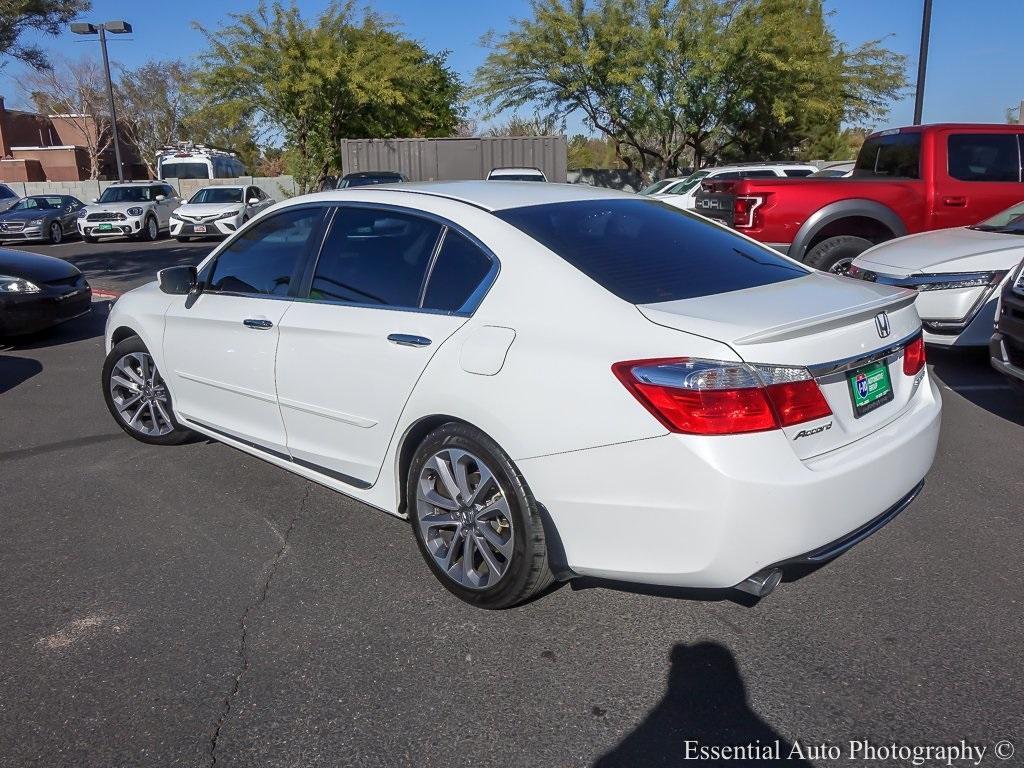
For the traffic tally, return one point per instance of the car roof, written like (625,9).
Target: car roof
(490,197)
(364,174)
(136,183)
(224,186)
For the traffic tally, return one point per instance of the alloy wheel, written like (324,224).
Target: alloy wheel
(56,233)
(140,395)
(464,518)
(151,229)
(841,267)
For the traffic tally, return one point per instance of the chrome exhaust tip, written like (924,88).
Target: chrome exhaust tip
(761,583)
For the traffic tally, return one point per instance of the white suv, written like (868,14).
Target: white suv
(217,210)
(682,193)
(139,209)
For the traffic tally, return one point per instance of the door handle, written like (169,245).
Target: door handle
(258,323)
(409,340)
(955,202)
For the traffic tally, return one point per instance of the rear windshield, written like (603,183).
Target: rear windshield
(365,181)
(897,155)
(645,251)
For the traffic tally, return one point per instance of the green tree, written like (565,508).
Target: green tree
(671,82)
(155,103)
(46,16)
(539,125)
(339,76)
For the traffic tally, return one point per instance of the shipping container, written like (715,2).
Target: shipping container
(455,158)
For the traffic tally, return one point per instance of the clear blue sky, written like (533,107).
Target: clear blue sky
(973,72)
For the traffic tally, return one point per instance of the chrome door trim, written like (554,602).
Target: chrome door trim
(820,370)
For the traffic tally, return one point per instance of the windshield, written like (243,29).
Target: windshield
(646,251)
(185,171)
(684,186)
(218,195)
(650,189)
(1011,221)
(364,181)
(38,203)
(127,195)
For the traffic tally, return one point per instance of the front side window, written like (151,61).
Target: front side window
(893,155)
(375,256)
(263,260)
(459,269)
(984,157)
(645,251)
(798,172)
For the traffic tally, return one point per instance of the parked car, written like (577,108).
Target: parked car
(38,291)
(40,217)
(957,273)
(835,171)
(683,192)
(134,209)
(217,210)
(1007,344)
(8,197)
(905,180)
(367,178)
(657,186)
(516,174)
(481,358)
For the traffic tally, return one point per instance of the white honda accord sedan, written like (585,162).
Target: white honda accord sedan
(547,380)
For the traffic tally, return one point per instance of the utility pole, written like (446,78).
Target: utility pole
(922,61)
(118,28)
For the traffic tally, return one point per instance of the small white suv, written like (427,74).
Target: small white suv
(136,209)
(682,193)
(218,210)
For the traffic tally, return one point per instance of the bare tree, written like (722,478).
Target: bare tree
(154,104)
(74,92)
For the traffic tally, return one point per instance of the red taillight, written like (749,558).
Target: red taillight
(914,357)
(710,397)
(744,211)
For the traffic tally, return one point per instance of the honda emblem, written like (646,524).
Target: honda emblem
(882,324)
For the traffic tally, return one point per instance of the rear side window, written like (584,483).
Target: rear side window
(984,157)
(757,174)
(460,267)
(263,260)
(645,251)
(375,256)
(798,172)
(895,155)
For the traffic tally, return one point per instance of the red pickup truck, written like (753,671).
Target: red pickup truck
(905,180)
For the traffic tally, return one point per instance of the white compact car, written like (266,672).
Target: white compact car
(218,210)
(958,274)
(548,380)
(134,209)
(683,193)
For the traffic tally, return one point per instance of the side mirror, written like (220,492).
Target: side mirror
(177,281)
(95,199)
(253,201)
(159,198)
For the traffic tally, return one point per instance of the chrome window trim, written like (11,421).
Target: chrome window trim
(925,278)
(821,370)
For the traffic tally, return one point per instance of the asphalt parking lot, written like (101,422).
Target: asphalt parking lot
(195,606)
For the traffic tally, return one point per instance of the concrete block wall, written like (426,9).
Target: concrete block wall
(278,187)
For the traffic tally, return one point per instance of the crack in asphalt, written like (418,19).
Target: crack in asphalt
(243,623)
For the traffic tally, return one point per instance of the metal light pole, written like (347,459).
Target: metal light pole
(922,61)
(117,28)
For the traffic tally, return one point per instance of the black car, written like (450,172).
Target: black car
(1007,344)
(366,178)
(40,217)
(38,291)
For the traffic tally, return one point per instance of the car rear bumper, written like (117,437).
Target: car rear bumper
(680,510)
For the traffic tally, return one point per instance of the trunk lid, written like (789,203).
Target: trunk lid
(823,322)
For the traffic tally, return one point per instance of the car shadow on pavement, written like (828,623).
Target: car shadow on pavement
(129,268)
(81,328)
(969,373)
(17,370)
(705,705)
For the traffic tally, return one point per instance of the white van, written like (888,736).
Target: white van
(197,161)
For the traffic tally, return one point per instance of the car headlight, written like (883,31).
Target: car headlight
(10,284)
(82,213)
(231,215)
(963,280)
(135,211)
(35,222)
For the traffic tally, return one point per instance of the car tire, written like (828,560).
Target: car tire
(153,421)
(150,230)
(514,566)
(55,234)
(835,254)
